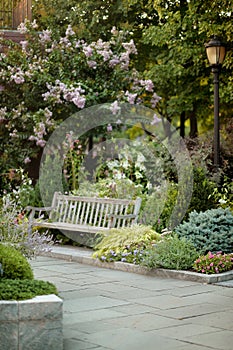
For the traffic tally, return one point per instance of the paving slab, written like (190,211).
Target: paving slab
(107,309)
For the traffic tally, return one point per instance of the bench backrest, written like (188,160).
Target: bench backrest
(93,211)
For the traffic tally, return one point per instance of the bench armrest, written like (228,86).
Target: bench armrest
(114,217)
(38,209)
(32,211)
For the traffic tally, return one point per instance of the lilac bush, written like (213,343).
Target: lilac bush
(48,77)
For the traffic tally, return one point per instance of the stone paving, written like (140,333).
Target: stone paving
(108,309)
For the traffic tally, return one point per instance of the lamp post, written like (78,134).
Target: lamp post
(216,52)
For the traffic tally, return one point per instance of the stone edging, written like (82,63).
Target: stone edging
(179,274)
(31,324)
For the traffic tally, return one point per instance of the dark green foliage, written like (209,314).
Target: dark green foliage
(171,253)
(24,289)
(211,230)
(14,264)
(203,189)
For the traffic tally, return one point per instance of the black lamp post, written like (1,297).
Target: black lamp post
(216,52)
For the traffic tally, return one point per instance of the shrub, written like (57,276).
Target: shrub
(214,263)
(203,188)
(211,230)
(112,188)
(126,244)
(14,231)
(14,264)
(171,253)
(24,289)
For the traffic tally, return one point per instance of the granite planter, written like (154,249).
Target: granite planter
(33,324)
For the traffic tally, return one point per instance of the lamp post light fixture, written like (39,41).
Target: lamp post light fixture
(216,52)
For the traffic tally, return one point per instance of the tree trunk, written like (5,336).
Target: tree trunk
(193,125)
(182,124)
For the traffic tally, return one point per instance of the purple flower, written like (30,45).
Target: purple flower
(69,31)
(27,160)
(45,36)
(148,84)
(131,97)
(155,120)
(87,51)
(41,143)
(79,101)
(92,64)
(109,127)
(114,108)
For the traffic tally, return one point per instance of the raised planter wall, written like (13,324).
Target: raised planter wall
(34,324)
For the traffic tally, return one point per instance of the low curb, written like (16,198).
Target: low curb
(84,256)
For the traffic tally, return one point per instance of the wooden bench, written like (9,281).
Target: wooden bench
(71,214)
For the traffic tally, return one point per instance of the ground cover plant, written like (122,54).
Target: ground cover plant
(125,244)
(171,253)
(213,263)
(25,289)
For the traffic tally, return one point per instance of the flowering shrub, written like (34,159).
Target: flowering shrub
(47,78)
(214,263)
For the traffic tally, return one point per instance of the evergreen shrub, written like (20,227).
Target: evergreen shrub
(211,230)
(24,289)
(13,264)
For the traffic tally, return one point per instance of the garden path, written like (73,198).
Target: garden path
(114,310)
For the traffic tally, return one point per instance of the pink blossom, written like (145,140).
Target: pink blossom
(24,44)
(41,143)
(148,84)
(109,127)
(114,31)
(211,264)
(155,120)
(154,100)
(106,54)
(130,47)
(18,78)
(113,62)
(92,64)
(131,97)
(69,31)
(79,101)
(88,51)
(22,28)
(115,108)
(27,160)
(45,36)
